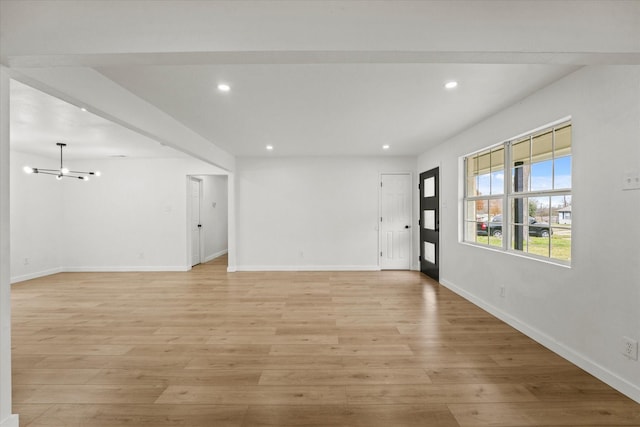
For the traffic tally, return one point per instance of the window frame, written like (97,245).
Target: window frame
(509,195)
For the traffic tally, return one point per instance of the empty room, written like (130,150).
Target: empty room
(319,213)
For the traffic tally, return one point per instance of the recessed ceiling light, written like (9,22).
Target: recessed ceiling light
(83,109)
(386,147)
(223,87)
(451,85)
(269,147)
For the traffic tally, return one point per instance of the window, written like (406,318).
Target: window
(518,195)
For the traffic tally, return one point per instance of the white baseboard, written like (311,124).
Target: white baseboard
(215,255)
(10,421)
(307,268)
(622,385)
(126,269)
(35,275)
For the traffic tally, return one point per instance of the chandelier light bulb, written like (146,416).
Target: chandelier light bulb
(64,171)
(97,173)
(27,169)
(59,177)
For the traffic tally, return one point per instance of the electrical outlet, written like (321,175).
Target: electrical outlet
(630,348)
(26,261)
(631,180)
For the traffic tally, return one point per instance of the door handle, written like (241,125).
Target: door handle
(407,226)
(199,225)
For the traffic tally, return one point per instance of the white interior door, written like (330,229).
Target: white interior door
(395,222)
(196,225)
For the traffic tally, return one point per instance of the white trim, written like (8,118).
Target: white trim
(306,268)
(10,421)
(24,277)
(216,255)
(125,269)
(622,385)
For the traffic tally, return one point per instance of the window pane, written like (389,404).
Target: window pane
(562,172)
(539,213)
(429,187)
(563,141)
(542,148)
(429,219)
(497,159)
(484,162)
(482,216)
(482,210)
(538,245)
(518,223)
(497,171)
(483,185)
(430,252)
(541,176)
(520,152)
(520,178)
(561,222)
(561,243)
(494,225)
(497,183)
(519,238)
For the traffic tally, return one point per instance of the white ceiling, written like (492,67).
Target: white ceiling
(308,77)
(332,109)
(39,121)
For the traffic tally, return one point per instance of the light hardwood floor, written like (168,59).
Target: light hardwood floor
(207,348)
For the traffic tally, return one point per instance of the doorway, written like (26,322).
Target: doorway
(395,221)
(430,223)
(195,198)
(208,224)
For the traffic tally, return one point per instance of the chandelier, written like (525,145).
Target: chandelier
(62,172)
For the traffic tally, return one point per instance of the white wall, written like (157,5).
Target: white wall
(581,312)
(6,418)
(214,215)
(132,218)
(316,213)
(36,219)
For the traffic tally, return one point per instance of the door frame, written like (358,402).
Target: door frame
(411,215)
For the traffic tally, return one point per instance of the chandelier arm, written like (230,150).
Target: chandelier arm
(46,172)
(86,173)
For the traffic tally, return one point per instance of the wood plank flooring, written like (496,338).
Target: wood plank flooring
(207,348)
